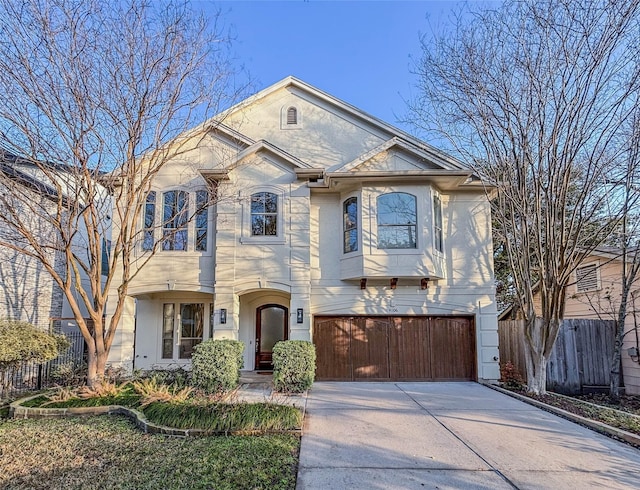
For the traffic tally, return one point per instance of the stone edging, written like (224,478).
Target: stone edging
(17,411)
(591,424)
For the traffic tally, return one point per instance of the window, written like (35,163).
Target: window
(292,116)
(587,278)
(437,223)
(396,220)
(174,220)
(350,224)
(190,322)
(264,214)
(149,221)
(202,220)
(167,331)
(106,254)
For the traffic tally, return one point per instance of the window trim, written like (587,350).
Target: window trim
(246,237)
(265,213)
(284,117)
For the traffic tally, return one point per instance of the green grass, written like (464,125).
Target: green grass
(225,417)
(108,452)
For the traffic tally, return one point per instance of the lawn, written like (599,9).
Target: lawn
(109,452)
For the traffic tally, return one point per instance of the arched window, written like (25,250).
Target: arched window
(292,116)
(350,224)
(264,214)
(396,220)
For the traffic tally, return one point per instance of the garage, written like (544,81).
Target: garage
(374,348)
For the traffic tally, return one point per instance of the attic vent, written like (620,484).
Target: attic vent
(292,115)
(587,278)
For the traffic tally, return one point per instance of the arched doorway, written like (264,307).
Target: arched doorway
(272,325)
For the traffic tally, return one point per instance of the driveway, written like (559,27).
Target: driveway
(450,436)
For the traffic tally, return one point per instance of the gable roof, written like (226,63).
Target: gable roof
(293,82)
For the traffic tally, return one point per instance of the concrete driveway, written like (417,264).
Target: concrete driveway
(450,435)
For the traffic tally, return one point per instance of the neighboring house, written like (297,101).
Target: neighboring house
(27,291)
(331,226)
(595,294)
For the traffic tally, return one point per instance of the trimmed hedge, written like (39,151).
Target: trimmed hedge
(216,364)
(23,342)
(294,366)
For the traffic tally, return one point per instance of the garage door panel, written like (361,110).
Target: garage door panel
(369,348)
(395,348)
(332,340)
(409,352)
(451,339)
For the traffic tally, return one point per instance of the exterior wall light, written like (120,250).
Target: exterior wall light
(300,315)
(223,315)
(633,353)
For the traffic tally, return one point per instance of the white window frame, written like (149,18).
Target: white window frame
(246,236)
(416,224)
(436,195)
(158,226)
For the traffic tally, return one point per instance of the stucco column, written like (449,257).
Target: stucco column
(230,302)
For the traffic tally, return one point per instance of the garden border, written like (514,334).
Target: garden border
(17,411)
(600,427)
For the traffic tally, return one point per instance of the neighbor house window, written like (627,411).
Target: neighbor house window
(587,278)
(174,220)
(264,214)
(202,220)
(149,221)
(396,220)
(437,223)
(292,116)
(350,224)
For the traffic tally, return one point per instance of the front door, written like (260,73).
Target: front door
(272,325)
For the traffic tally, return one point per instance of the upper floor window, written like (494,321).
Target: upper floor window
(175,216)
(202,220)
(292,116)
(396,220)
(350,224)
(149,221)
(587,278)
(264,214)
(437,223)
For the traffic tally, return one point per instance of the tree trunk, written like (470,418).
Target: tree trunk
(535,358)
(616,374)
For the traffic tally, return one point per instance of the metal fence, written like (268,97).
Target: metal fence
(30,376)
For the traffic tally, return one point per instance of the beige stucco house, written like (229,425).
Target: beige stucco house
(330,226)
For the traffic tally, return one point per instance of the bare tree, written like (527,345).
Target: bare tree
(534,94)
(93,100)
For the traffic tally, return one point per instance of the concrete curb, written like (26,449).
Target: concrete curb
(601,427)
(17,411)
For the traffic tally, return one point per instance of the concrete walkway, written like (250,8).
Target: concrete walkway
(450,436)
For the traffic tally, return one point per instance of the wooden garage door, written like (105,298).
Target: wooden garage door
(395,348)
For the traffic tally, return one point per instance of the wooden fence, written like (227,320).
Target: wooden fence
(581,356)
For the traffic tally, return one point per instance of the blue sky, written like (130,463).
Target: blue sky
(358,51)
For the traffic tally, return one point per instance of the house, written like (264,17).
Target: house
(27,290)
(595,294)
(331,226)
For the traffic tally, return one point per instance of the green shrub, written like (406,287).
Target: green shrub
(225,417)
(294,366)
(216,365)
(23,342)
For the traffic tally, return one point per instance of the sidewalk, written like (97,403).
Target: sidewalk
(450,436)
